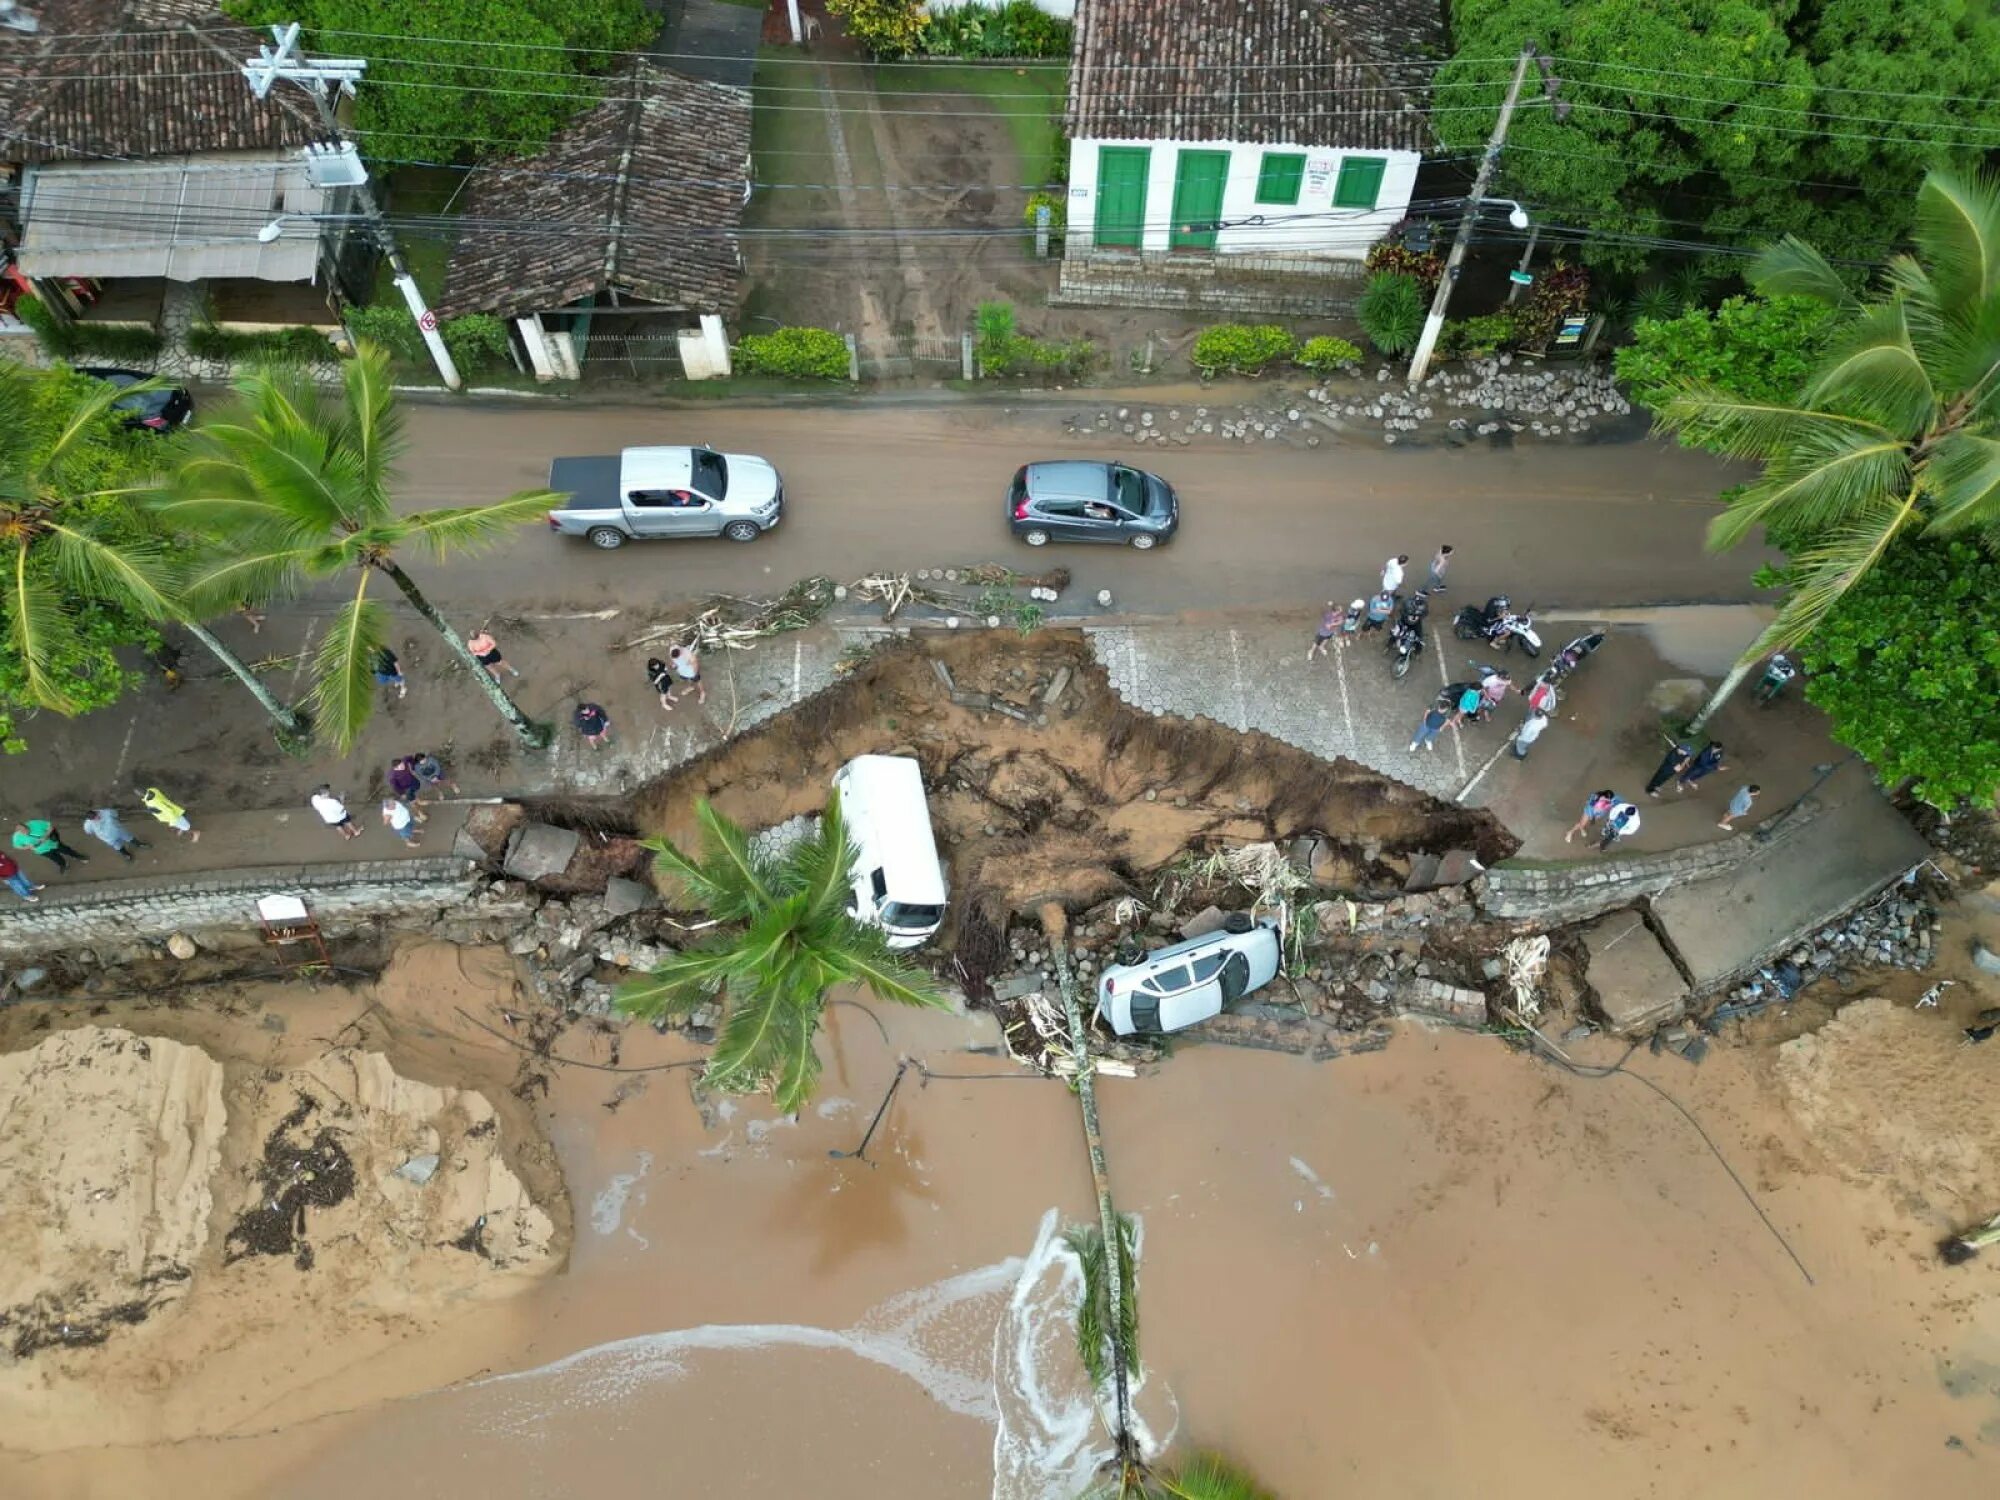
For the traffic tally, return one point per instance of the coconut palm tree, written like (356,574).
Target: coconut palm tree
(77,544)
(1896,434)
(286,489)
(786,939)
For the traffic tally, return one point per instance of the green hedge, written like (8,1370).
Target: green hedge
(1391,311)
(94,340)
(795,353)
(1016,29)
(1326,353)
(1003,350)
(278,346)
(389,325)
(476,341)
(1468,338)
(1241,348)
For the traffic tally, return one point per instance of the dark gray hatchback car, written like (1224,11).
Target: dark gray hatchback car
(1083,500)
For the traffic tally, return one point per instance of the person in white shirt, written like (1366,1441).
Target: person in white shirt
(396,813)
(1392,572)
(1530,731)
(333,812)
(1620,823)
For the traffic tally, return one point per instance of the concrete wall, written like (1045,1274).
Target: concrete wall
(1553,894)
(118,915)
(1343,234)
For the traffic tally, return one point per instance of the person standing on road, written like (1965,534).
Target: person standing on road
(431,773)
(1620,823)
(1530,731)
(1595,806)
(1469,705)
(168,811)
(1332,620)
(1392,572)
(687,667)
(1705,764)
(1434,722)
(397,815)
(15,881)
(593,723)
(486,651)
(661,676)
(104,826)
(1671,765)
(1350,623)
(39,836)
(1542,697)
(1439,563)
(405,785)
(1493,687)
(1380,607)
(1739,805)
(389,672)
(333,812)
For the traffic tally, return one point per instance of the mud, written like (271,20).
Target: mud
(1057,791)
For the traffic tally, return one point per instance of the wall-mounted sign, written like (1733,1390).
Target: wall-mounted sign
(1319,173)
(1571,331)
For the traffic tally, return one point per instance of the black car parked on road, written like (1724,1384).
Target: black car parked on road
(160,410)
(1083,500)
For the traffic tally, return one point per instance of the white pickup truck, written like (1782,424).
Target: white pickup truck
(665,492)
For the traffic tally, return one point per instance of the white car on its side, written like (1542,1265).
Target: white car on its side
(1180,985)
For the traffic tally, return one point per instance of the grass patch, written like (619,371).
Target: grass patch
(1032,99)
(421,190)
(788,141)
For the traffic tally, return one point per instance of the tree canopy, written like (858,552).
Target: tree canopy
(1754,348)
(1729,120)
(84,571)
(458,79)
(1907,668)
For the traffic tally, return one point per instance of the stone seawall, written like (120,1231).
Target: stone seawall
(1552,895)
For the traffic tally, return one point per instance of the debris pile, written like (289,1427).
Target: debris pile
(1898,930)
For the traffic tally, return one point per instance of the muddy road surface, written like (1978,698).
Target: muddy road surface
(898,488)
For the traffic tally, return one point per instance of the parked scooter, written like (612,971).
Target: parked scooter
(1406,636)
(1778,674)
(1480,622)
(1518,630)
(1571,656)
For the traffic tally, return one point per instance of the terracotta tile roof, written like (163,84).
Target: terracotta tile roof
(643,193)
(1272,72)
(145,85)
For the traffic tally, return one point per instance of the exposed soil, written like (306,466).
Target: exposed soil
(1072,799)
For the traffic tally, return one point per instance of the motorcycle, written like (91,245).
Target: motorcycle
(1518,630)
(1778,674)
(1571,656)
(1480,622)
(1406,644)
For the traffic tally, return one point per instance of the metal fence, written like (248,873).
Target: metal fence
(647,354)
(935,349)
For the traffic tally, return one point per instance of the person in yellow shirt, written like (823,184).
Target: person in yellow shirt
(169,812)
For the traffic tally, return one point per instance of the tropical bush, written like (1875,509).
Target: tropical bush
(1427,266)
(476,342)
(1016,29)
(69,339)
(1004,350)
(390,325)
(1058,211)
(1757,348)
(277,346)
(887,28)
(1325,353)
(1391,311)
(795,353)
(1240,348)
(1468,338)
(1559,292)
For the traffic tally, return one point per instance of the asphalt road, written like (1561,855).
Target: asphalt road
(895,488)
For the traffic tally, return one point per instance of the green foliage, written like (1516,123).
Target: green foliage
(1697,118)
(476,342)
(72,340)
(1559,292)
(1756,348)
(510,72)
(388,325)
(1469,338)
(1018,28)
(1426,266)
(1240,348)
(1001,350)
(278,346)
(84,572)
(1907,668)
(795,353)
(1324,353)
(1894,435)
(1058,212)
(1391,311)
(785,939)
(1095,1345)
(887,28)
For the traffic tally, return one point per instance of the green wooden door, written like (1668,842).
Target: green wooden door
(1121,194)
(1198,198)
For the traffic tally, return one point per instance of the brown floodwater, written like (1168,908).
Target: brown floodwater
(1441,1269)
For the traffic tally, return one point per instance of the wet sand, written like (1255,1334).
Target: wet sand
(1441,1269)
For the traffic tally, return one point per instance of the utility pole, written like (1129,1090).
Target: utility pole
(1420,362)
(325,80)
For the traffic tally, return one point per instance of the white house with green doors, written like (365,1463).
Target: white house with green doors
(1209,133)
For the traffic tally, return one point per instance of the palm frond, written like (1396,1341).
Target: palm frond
(470,528)
(1749,429)
(81,420)
(689,881)
(757,1034)
(290,475)
(865,958)
(1209,1476)
(1826,478)
(1822,573)
(797,1065)
(343,694)
(1964,481)
(1875,369)
(1958,233)
(821,868)
(372,428)
(679,983)
(214,584)
(134,573)
(36,627)
(1792,268)
(734,872)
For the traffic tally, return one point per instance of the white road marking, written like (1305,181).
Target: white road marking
(1444,679)
(1466,790)
(118,775)
(1236,668)
(305,655)
(1346,711)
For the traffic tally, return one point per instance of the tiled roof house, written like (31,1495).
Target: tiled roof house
(1239,127)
